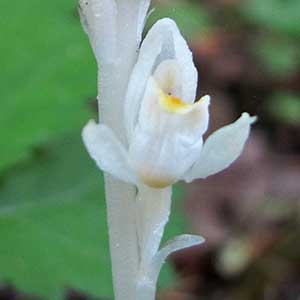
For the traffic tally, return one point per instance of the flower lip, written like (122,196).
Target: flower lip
(173,104)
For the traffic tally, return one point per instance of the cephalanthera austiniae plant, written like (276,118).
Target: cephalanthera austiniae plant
(149,135)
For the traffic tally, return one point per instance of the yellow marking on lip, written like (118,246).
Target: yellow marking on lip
(173,104)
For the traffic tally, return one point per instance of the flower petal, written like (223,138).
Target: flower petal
(161,161)
(150,49)
(107,151)
(160,117)
(221,149)
(168,75)
(96,16)
(175,47)
(163,42)
(166,144)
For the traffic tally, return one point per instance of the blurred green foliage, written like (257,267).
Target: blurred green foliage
(54,225)
(48,72)
(276,24)
(190,17)
(276,15)
(280,58)
(285,107)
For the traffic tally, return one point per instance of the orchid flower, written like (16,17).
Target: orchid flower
(150,135)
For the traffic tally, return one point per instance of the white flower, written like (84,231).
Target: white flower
(163,122)
(150,135)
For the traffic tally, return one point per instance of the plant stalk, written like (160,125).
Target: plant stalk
(120,196)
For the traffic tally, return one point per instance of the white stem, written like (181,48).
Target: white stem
(146,290)
(114,29)
(120,197)
(113,80)
(123,238)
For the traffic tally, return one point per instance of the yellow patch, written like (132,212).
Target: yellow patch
(173,104)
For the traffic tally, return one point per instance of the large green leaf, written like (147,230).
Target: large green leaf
(53,224)
(47,75)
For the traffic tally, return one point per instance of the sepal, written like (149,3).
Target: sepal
(107,151)
(221,148)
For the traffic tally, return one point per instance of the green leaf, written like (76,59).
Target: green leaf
(48,73)
(53,224)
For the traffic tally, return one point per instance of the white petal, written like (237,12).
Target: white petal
(199,116)
(169,77)
(108,153)
(165,145)
(163,42)
(150,49)
(175,47)
(160,161)
(149,116)
(153,118)
(180,242)
(221,149)
(99,19)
